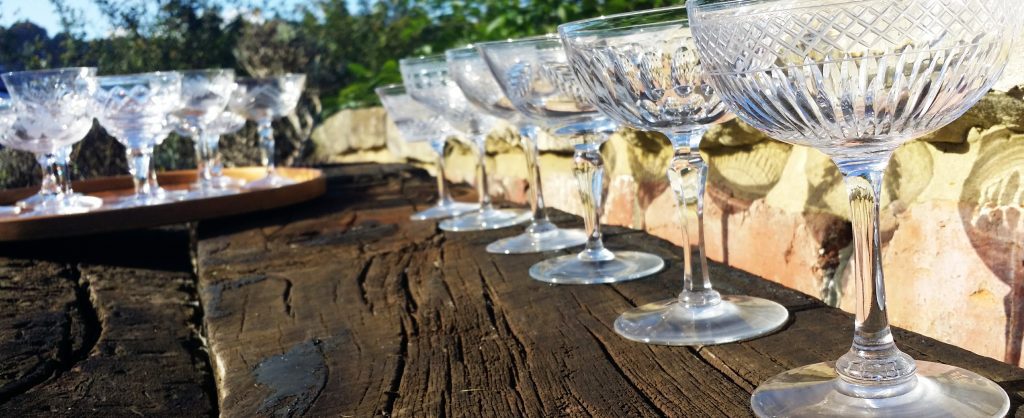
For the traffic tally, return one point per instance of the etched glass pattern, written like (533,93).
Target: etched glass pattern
(269,98)
(855,79)
(642,70)
(415,122)
(469,71)
(536,76)
(427,80)
(646,77)
(134,108)
(54,108)
(204,94)
(418,123)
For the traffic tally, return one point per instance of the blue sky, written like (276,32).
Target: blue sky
(42,13)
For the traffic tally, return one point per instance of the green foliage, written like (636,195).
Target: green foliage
(358,52)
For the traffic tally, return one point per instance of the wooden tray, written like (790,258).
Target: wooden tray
(309,184)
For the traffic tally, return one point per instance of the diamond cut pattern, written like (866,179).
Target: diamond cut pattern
(849,28)
(429,82)
(649,80)
(853,78)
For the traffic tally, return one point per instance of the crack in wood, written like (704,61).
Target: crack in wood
(286,296)
(713,361)
(361,282)
(396,380)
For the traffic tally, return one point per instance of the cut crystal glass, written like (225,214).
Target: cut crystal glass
(470,72)
(642,70)
(54,111)
(262,100)
(134,109)
(417,123)
(855,79)
(535,75)
(428,81)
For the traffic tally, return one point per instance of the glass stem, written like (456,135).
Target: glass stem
(202,156)
(213,162)
(874,367)
(444,196)
(481,173)
(687,174)
(589,172)
(528,139)
(62,164)
(266,132)
(139,160)
(152,182)
(50,186)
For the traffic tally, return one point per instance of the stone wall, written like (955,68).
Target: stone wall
(951,221)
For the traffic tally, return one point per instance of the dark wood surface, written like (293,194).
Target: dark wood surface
(343,307)
(102,326)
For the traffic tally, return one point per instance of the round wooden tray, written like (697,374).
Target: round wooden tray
(309,184)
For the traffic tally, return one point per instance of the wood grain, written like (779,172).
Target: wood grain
(102,326)
(342,307)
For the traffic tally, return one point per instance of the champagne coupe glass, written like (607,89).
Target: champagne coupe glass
(418,123)
(7,118)
(855,79)
(54,111)
(262,100)
(134,109)
(641,69)
(204,96)
(428,81)
(535,75)
(227,123)
(471,74)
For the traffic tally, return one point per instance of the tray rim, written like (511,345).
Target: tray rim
(312,184)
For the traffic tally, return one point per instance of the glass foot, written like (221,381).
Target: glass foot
(202,193)
(38,200)
(225,182)
(569,269)
(134,201)
(941,391)
(529,243)
(82,201)
(669,322)
(59,204)
(486,220)
(269,182)
(447,210)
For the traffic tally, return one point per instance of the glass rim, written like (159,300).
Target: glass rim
(536,39)
(467,51)
(124,78)
(422,59)
(230,71)
(797,4)
(393,89)
(626,21)
(89,71)
(286,76)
